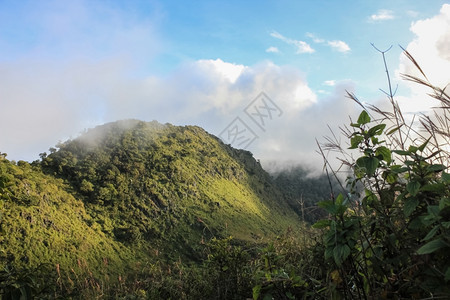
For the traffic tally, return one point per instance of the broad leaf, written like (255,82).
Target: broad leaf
(432,246)
(436,168)
(431,233)
(370,164)
(399,169)
(413,187)
(410,206)
(376,130)
(385,153)
(322,224)
(435,187)
(446,177)
(363,118)
(355,141)
(340,253)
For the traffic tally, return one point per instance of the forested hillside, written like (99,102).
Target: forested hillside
(146,180)
(130,193)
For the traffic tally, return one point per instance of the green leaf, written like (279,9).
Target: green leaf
(433,210)
(446,177)
(340,199)
(340,253)
(370,164)
(394,130)
(402,152)
(363,118)
(413,149)
(385,153)
(444,202)
(413,187)
(256,292)
(397,169)
(436,168)
(431,233)
(422,147)
(376,130)
(432,246)
(328,253)
(355,141)
(410,206)
(390,177)
(322,224)
(435,187)
(328,205)
(447,274)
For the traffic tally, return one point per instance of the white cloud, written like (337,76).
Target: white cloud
(272,50)
(431,49)
(302,47)
(339,46)
(330,82)
(229,71)
(315,39)
(382,15)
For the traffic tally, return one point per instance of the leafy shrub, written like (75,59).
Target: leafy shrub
(393,240)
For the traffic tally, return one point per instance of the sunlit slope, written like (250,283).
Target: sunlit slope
(41,223)
(168,187)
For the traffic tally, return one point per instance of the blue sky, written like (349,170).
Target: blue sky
(70,65)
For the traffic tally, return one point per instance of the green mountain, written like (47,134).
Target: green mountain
(126,192)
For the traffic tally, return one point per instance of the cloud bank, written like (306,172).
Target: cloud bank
(431,49)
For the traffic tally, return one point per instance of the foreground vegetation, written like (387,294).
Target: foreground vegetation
(120,214)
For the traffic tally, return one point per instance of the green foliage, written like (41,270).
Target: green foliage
(228,265)
(27,284)
(394,240)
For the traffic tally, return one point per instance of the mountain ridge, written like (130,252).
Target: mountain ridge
(135,188)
